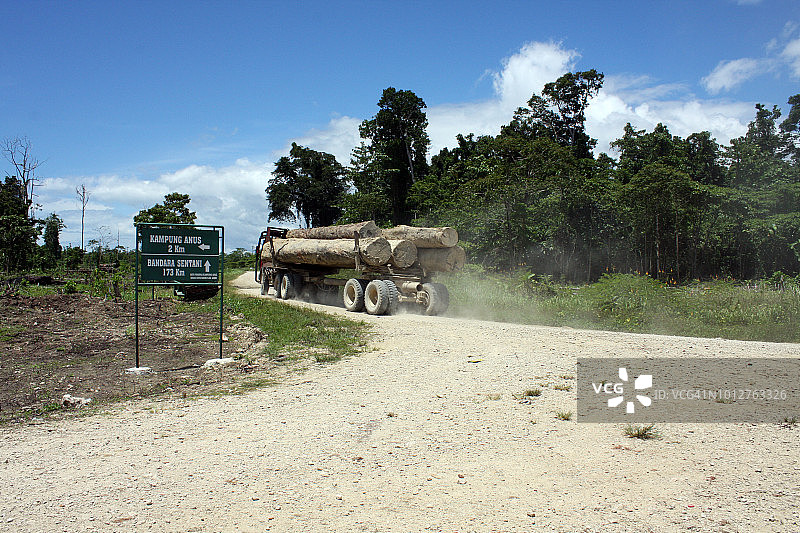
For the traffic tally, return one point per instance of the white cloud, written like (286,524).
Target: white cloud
(338,138)
(791,54)
(529,70)
(522,74)
(231,196)
(644,104)
(730,74)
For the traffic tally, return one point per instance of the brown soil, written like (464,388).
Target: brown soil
(82,346)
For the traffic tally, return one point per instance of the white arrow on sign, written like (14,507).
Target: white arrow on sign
(204,247)
(207,265)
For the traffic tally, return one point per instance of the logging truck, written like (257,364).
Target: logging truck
(392,268)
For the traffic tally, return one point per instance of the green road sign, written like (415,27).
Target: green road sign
(179,254)
(179,240)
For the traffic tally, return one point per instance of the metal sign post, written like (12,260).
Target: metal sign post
(179,254)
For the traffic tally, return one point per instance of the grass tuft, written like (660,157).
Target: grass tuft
(635,431)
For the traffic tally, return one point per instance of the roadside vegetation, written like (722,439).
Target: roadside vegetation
(289,328)
(765,310)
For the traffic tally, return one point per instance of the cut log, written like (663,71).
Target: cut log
(404,253)
(424,237)
(345,231)
(442,259)
(330,252)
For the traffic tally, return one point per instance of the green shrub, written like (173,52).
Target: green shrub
(70,287)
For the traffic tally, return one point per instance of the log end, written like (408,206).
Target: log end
(404,253)
(449,237)
(375,251)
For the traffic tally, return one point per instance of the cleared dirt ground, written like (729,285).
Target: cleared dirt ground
(425,432)
(79,345)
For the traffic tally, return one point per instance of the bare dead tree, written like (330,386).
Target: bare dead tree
(18,152)
(83,196)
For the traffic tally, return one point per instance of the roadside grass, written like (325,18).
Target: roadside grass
(327,337)
(288,328)
(762,311)
(643,432)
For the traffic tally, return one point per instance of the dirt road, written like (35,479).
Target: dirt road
(423,433)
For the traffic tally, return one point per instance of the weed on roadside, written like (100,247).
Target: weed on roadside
(643,432)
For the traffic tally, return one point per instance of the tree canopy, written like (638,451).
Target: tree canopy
(536,196)
(396,155)
(306,186)
(173,210)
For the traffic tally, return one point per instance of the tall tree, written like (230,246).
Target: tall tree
(172,210)
(757,160)
(83,197)
(306,185)
(398,137)
(18,231)
(370,198)
(52,247)
(791,129)
(19,153)
(560,112)
(638,148)
(704,159)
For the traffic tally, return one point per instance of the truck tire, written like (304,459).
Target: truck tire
(394,297)
(444,297)
(264,284)
(278,284)
(376,297)
(432,301)
(353,295)
(291,286)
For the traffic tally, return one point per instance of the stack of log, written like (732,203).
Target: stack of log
(402,247)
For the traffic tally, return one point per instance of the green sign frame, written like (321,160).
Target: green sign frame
(179,254)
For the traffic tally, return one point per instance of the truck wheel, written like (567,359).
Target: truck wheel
(264,284)
(353,295)
(394,297)
(444,297)
(291,285)
(376,297)
(278,284)
(432,301)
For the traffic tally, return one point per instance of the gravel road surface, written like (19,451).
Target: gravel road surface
(423,432)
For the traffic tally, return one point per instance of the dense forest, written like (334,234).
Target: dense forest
(536,196)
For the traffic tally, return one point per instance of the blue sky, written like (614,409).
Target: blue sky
(139,99)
